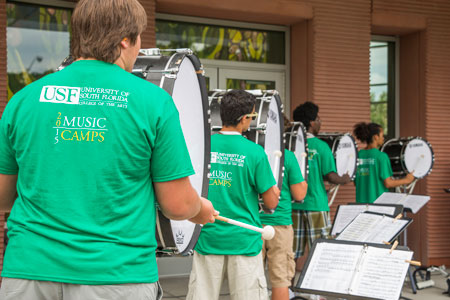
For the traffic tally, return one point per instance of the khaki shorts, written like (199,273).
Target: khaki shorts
(22,289)
(246,279)
(279,256)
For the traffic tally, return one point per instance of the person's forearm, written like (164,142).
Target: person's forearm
(298,191)
(334,178)
(271,197)
(177,199)
(188,207)
(7,191)
(393,183)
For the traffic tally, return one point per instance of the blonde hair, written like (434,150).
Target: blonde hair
(98,27)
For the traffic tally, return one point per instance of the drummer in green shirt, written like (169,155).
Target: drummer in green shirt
(311,219)
(278,252)
(240,171)
(374,173)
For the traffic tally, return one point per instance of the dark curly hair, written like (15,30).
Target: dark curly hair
(366,131)
(306,113)
(235,104)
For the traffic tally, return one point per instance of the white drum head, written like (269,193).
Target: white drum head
(188,100)
(300,151)
(273,135)
(346,156)
(418,157)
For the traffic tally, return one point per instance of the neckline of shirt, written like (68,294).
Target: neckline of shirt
(230,133)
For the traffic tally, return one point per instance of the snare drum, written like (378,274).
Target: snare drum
(266,130)
(345,152)
(297,143)
(181,75)
(407,155)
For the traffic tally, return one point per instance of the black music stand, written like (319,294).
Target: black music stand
(408,189)
(299,287)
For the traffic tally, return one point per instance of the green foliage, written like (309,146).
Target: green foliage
(224,43)
(378,110)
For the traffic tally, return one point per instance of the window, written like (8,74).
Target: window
(222,42)
(38,39)
(382,85)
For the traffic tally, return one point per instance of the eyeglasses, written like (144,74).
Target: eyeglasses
(252,115)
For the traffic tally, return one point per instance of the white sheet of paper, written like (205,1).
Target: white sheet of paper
(381,274)
(413,202)
(332,267)
(416,202)
(390,198)
(347,213)
(387,210)
(371,228)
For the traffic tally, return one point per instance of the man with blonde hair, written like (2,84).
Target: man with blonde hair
(84,155)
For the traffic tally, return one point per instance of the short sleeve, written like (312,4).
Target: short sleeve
(293,169)
(8,163)
(170,157)
(384,166)
(263,174)
(327,160)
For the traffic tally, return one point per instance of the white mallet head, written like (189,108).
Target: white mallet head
(277,153)
(268,232)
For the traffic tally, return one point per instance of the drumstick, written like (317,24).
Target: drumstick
(276,166)
(267,232)
(417,162)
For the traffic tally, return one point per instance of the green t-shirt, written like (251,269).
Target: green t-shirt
(87,143)
(374,167)
(292,175)
(321,162)
(240,171)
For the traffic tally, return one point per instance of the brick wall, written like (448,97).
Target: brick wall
(434,61)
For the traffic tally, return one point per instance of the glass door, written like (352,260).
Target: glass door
(252,80)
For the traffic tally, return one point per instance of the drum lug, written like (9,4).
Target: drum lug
(201,71)
(151,52)
(262,127)
(157,51)
(171,76)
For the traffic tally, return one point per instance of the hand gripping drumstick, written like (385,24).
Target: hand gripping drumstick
(267,232)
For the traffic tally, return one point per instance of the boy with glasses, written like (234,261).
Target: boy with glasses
(240,171)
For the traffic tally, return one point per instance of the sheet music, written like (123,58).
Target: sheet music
(372,228)
(347,213)
(416,202)
(413,202)
(381,273)
(332,267)
(385,210)
(390,198)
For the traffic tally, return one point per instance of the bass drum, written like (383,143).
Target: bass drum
(409,155)
(181,74)
(266,130)
(345,152)
(296,142)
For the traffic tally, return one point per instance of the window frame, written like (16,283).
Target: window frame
(286,67)
(393,115)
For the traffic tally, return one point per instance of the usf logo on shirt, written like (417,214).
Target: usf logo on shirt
(60,94)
